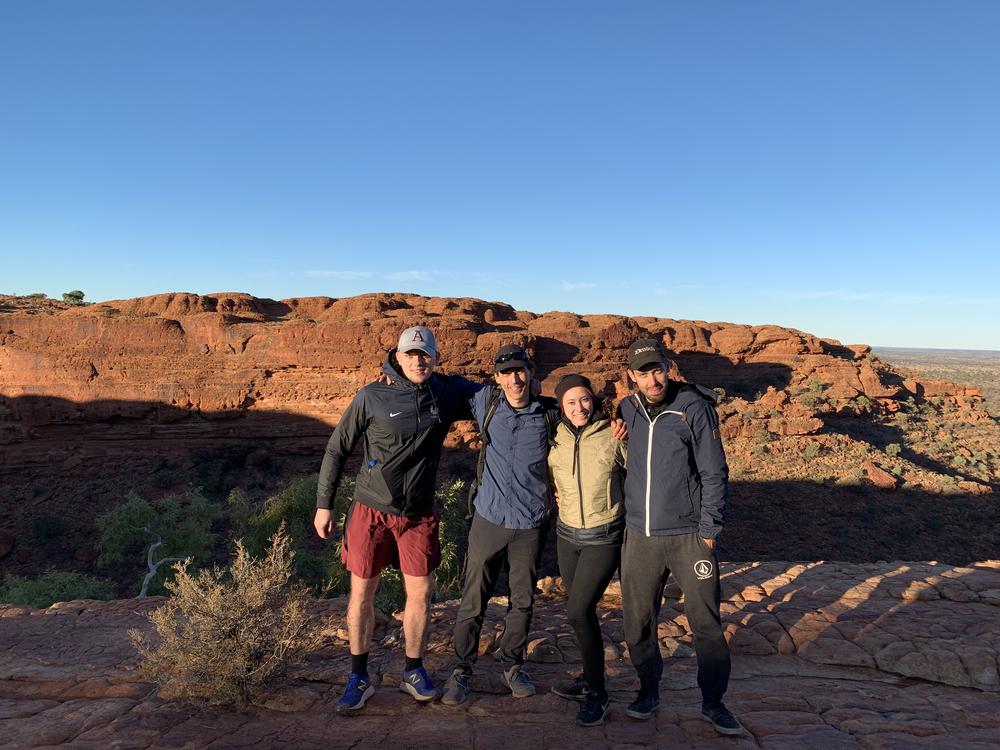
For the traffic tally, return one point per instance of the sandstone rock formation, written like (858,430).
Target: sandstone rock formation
(171,357)
(891,655)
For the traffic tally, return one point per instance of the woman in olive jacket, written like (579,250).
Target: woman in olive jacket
(587,464)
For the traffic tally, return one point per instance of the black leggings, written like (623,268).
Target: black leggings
(586,571)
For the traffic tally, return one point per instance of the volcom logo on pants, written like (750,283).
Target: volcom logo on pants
(703,569)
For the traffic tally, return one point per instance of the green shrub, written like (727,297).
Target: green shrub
(893,449)
(73,298)
(812,450)
(316,566)
(48,588)
(154,533)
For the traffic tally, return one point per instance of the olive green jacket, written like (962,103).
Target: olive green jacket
(587,469)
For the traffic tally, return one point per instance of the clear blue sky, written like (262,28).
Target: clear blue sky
(833,167)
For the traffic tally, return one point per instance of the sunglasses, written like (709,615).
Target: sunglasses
(510,356)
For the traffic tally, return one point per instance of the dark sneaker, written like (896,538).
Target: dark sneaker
(359,689)
(720,718)
(456,689)
(575,690)
(645,703)
(594,709)
(419,685)
(518,681)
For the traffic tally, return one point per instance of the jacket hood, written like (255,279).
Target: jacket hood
(693,391)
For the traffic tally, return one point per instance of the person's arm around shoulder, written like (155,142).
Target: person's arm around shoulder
(468,391)
(351,427)
(710,458)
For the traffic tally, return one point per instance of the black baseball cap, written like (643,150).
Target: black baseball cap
(645,352)
(512,357)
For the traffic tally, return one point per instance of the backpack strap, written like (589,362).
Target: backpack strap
(492,403)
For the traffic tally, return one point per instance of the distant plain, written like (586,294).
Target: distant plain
(976,368)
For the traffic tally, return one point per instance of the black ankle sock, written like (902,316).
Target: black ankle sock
(413,663)
(359,664)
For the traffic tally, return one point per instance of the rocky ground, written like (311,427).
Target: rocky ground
(826,655)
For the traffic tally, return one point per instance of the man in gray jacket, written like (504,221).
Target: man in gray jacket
(675,495)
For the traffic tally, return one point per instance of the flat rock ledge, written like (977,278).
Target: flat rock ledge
(826,655)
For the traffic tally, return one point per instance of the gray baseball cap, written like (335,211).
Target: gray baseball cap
(417,338)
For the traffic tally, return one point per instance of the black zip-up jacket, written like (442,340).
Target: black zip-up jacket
(403,427)
(677,479)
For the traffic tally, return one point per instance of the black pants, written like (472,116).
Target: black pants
(646,563)
(586,571)
(489,546)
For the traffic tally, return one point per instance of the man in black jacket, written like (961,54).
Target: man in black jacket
(403,423)
(675,495)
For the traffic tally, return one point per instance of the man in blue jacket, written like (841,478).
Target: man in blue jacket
(512,506)
(675,496)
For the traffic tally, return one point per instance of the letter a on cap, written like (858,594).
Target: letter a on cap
(417,337)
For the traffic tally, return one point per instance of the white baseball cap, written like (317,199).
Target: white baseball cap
(417,337)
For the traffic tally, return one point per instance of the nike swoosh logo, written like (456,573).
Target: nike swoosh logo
(395,413)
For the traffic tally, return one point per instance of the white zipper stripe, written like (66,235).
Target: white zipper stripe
(649,452)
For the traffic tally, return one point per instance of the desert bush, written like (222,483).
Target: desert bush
(74,297)
(812,450)
(224,634)
(893,449)
(48,588)
(167,530)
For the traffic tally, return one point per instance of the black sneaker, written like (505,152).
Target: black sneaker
(645,703)
(594,709)
(720,718)
(575,690)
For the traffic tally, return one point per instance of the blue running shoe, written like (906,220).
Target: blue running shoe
(359,689)
(417,683)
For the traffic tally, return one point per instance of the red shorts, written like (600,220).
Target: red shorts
(373,539)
